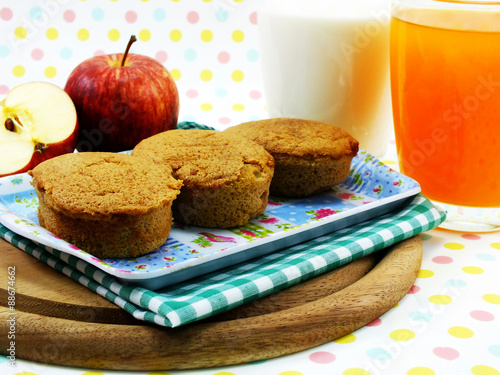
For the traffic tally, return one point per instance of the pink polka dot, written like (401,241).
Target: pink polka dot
(414,289)
(375,323)
(3,89)
(69,15)
(223,57)
(446,353)
(322,357)
(482,315)
(193,17)
(253,18)
(37,54)
(255,94)
(161,56)
(224,120)
(471,236)
(6,14)
(442,260)
(191,93)
(99,52)
(131,16)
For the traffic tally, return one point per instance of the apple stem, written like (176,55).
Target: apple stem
(130,42)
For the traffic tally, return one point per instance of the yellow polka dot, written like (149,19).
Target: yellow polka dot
(206,107)
(224,373)
(238,107)
(355,371)
(460,332)
(238,1)
(93,373)
(454,246)
(424,274)
(114,35)
(176,74)
(20,32)
(206,1)
(27,373)
(144,35)
(440,299)
(157,373)
(347,339)
(237,76)
(175,35)
(496,245)
(421,371)
(484,370)
(83,34)
(492,298)
(52,33)
(473,270)
(18,71)
(238,36)
(206,75)
(402,335)
(207,35)
(50,72)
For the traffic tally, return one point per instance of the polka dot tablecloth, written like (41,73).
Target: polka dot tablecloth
(448,323)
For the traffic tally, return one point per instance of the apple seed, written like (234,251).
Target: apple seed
(41,147)
(9,125)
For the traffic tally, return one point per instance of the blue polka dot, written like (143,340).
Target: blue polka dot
(255,118)
(221,15)
(4,359)
(4,51)
(379,354)
(98,14)
(253,55)
(189,118)
(159,15)
(190,54)
(66,53)
(456,283)
(221,92)
(36,13)
(495,350)
(487,257)
(421,316)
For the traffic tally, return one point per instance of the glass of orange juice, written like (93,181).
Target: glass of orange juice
(445,83)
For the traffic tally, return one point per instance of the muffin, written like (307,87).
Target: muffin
(225,178)
(110,205)
(310,156)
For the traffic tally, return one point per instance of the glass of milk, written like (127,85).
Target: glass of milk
(328,60)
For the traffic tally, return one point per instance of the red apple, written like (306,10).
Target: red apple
(122,99)
(37,122)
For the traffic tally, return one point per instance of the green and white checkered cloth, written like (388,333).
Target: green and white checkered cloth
(220,291)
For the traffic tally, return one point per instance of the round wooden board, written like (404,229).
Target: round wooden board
(61,322)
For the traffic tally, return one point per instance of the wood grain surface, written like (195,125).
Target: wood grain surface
(61,322)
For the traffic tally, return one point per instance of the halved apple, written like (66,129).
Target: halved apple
(37,122)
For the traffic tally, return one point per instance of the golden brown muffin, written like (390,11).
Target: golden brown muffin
(110,205)
(225,178)
(310,156)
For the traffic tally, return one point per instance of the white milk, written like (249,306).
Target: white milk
(329,61)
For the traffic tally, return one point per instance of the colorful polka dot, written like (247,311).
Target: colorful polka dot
(473,270)
(207,35)
(322,357)
(37,54)
(460,332)
(454,246)
(482,315)
(144,35)
(18,71)
(421,371)
(496,245)
(223,57)
(193,17)
(113,35)
(402,335)
(206,107)
(4,51)
(237,76)
(52,34)
(50,72)
(492,298)
(356,371)
(175,35)
(97,14)
(131,16)
(420,316)
(456,283)
(69,15)
(255,94)
(442,260)
(375,323)
(484,370)
(424,274)
(347,339)
(414,289)
(379,354)
(495,350)
(176,74)
(159,15)
(20,32)
(83,34)
(440,299)
(206,75)
(238,107)
(6,14)
(470,236)
(238,36)
(253,18)
(446,353)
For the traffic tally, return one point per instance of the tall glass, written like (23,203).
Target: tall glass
(445,78)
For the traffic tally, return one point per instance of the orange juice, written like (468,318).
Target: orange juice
(445,78)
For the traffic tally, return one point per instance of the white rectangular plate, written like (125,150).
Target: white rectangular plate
(372,189)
